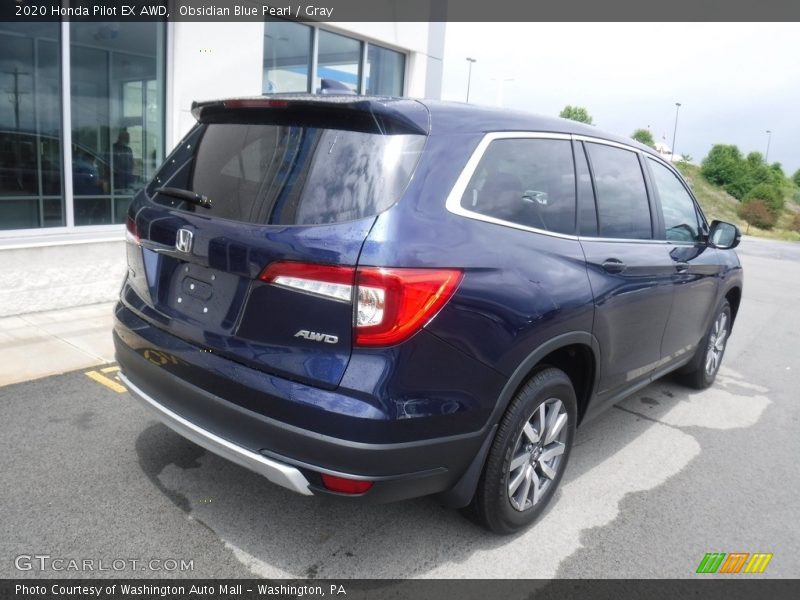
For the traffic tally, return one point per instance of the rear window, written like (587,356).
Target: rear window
(293,175)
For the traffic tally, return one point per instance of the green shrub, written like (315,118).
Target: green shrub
(723,164)
(576,113)
(757,213)
(795,226)
(770,195)
(796,178)
(643,136)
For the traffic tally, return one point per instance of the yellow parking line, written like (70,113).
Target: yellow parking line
(110,369)
(106,381)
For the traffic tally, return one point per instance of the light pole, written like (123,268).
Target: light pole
(469,75)
(766,156)
(675,131)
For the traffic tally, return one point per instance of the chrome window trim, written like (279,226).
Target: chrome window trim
(453,203)
(596,140)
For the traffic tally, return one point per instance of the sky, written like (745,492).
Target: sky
(734,81)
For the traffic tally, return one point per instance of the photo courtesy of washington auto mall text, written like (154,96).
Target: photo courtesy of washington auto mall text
(177,590)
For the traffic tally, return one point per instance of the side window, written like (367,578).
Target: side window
(680,214)
(623,210)
(529,182)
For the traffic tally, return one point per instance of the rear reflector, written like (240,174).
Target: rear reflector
(391,304)
(344,485)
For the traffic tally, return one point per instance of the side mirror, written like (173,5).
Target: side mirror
(724,235)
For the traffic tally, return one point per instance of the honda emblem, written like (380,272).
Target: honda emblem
(183,241)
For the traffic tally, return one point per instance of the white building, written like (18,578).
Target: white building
(94,107)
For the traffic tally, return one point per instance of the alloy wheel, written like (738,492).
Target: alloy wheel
(716,344)
(537,454)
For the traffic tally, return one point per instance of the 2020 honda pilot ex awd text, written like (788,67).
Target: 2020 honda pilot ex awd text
(386,298)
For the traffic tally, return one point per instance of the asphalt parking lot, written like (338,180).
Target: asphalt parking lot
(664,477)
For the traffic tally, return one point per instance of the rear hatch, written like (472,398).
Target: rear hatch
(276,186)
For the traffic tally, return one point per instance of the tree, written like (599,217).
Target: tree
(644,136)
(725,166)
(576,113)
(757,214)
(796,178)
(796,223)
(771,196)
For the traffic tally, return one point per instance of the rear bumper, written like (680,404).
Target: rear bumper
(276,472)
(217,418)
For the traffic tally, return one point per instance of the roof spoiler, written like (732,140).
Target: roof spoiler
(355,113)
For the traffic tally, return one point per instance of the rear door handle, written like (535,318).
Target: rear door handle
(614,265)
(682,267)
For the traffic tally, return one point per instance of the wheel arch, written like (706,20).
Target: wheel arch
(734,298)
(574,353)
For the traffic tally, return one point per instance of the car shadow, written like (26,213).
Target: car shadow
(278,533)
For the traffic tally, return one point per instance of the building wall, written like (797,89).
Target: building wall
(59,276)
(207,61)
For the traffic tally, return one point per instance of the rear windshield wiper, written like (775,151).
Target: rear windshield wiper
(198,199)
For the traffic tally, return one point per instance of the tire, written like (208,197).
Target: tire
(701,372)
(518,480)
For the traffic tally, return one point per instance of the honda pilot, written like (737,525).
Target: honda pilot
(385,298)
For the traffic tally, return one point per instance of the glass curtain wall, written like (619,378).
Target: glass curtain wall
(385,71)
(30,126)
(117,115)
(339,60)
(287,57)
(290,58)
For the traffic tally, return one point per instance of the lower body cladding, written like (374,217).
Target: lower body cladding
(303,460)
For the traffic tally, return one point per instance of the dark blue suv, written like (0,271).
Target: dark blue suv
(386,298)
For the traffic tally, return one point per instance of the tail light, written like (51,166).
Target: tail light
(390,304)
(131,232)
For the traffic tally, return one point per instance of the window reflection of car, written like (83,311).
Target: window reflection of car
(20,173)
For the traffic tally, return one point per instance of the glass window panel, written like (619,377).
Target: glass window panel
(680,215)
(339,59)
(294,175)
(530,182)
(623,209)
(16,213)
(53,212)
(131,99)
(30,126)
(385,71)
(117,93)
(287,57)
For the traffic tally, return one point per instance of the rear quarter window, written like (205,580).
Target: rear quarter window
(526,181)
